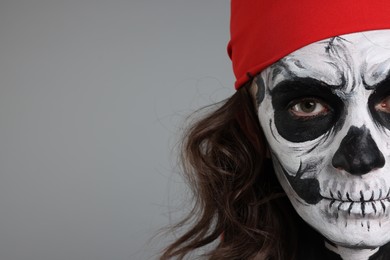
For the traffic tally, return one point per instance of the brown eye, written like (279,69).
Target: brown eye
(309,107)
(384,105)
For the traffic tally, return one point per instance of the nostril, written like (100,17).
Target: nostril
(358,153)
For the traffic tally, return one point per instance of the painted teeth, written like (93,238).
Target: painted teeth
(364,203)
(361,208)
(349,199)
(367,197)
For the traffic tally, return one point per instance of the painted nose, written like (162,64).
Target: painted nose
(358,153)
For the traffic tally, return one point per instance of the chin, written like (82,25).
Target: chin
(346,228)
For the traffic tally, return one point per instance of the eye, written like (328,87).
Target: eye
(384,105)
(309,108)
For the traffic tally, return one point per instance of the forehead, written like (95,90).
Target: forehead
(363,56)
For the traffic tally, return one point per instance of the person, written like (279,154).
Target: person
(296,164)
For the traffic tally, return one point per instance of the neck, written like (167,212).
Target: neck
(351,253)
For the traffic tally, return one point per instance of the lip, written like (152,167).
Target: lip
(346,197)
(360,207)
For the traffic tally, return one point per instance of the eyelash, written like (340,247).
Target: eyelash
(323,108)
(317,107)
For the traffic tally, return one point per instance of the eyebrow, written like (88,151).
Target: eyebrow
(336,77)
(374,86)
(289,90)
(385,81)
(295,77)
(302,85)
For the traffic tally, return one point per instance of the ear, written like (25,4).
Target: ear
(257,89)
(253,90)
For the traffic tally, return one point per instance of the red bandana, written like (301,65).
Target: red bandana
(262,32)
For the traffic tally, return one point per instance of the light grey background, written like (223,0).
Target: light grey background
(92,97)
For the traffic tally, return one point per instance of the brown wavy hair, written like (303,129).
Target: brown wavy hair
(239,204)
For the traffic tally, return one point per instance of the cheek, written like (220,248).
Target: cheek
(292,161)
(308,189)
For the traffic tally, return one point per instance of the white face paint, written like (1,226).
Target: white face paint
(325,111)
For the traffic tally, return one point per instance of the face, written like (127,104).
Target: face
(325,111)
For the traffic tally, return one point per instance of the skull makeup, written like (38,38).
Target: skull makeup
(325,111)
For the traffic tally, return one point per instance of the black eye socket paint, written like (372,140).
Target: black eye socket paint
(382,90)
(296,129)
